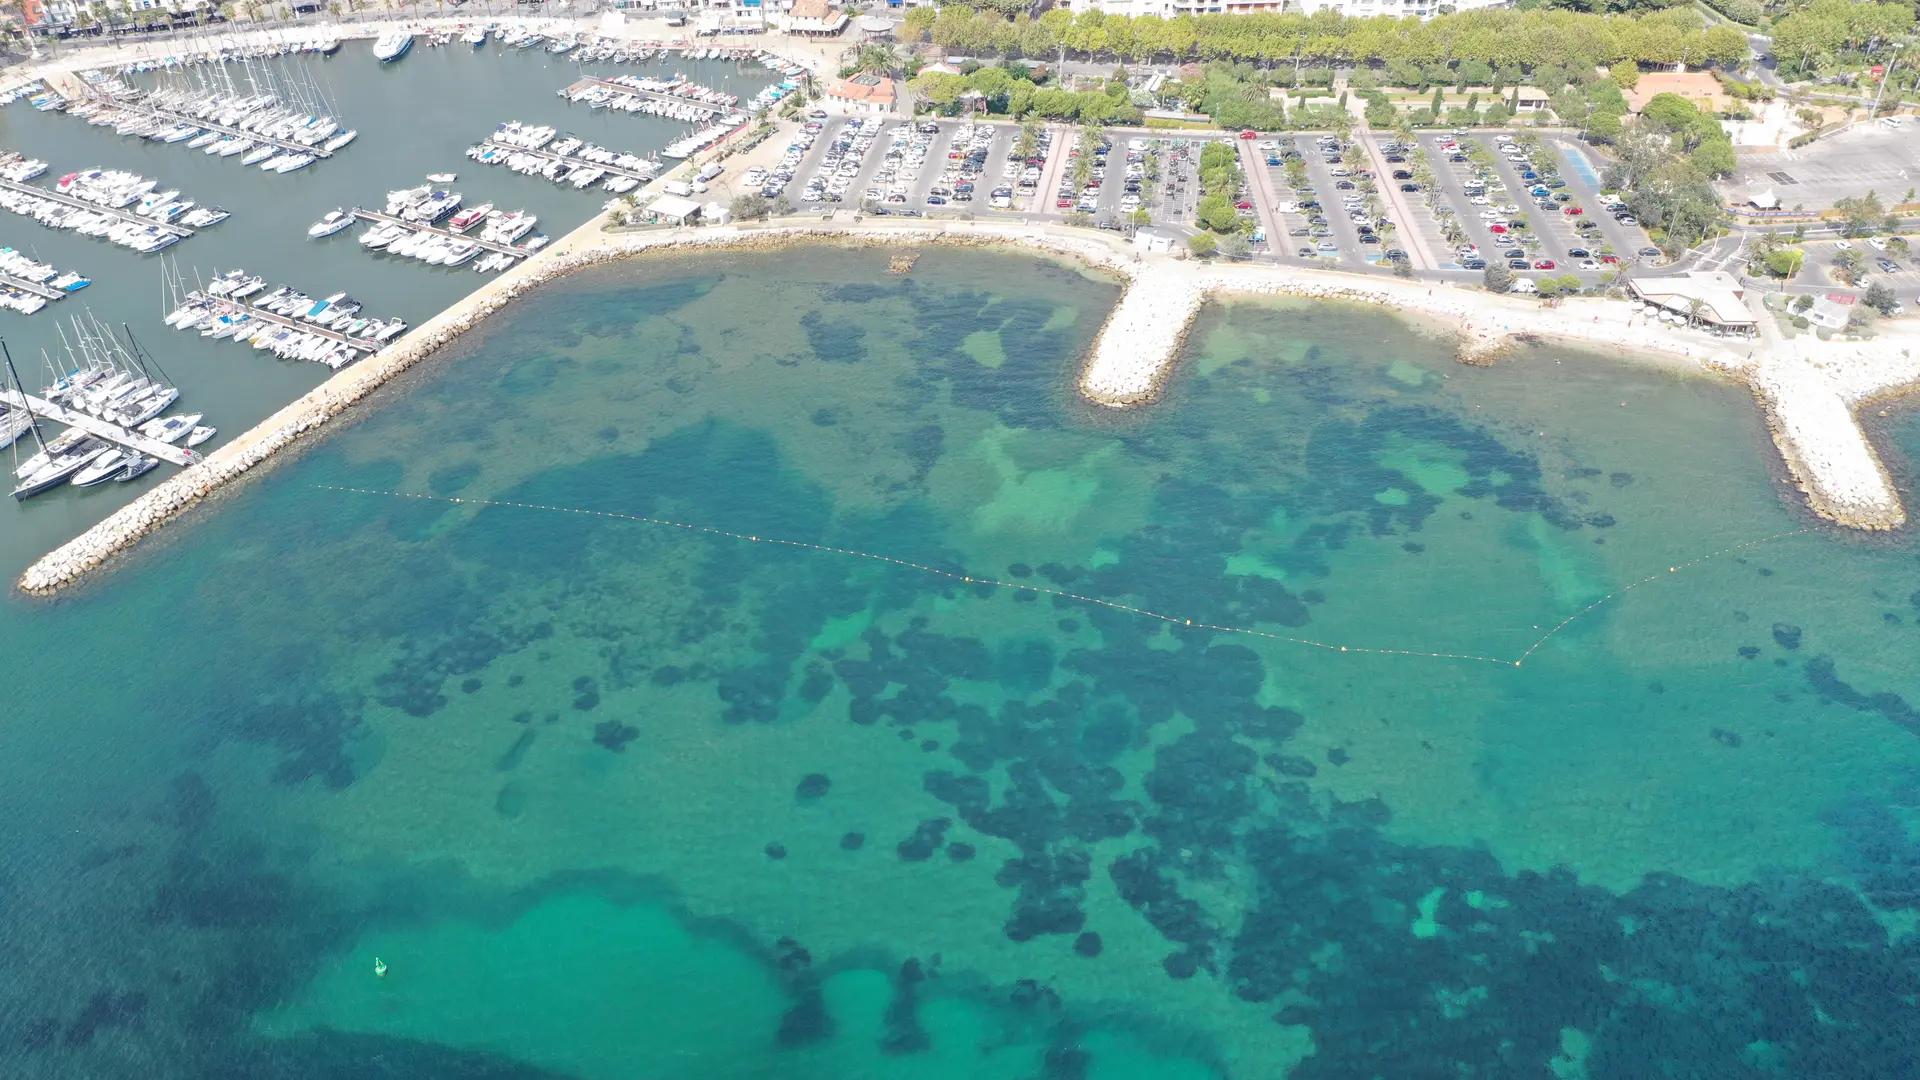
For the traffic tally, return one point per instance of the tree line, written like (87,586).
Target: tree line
(1495,37)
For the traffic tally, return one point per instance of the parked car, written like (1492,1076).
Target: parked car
(1402,174)
(1578,253)
(1517,264)
(1544,264)
(1887,266)
(1574,211)
(1649,252)
(1473,264)
(1306,253)
(1409,187)
(1249,134)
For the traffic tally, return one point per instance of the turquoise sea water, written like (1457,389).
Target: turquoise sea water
(616,798)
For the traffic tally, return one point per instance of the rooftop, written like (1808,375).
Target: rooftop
(864,88)
(1720,295)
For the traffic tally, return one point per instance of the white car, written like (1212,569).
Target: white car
(1876,243)
(1843,245)
(1589,264)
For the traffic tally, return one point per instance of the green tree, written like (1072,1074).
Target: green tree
(919,24)
(1496,277)
(1785,263)
(1203,244)
(1216,212)
(1235,246)
(750,207)
(1880,298)
(1864,214)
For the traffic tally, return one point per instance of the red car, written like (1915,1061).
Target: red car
(1573,211)
(1609,258)
(1497,228)
(1543,264)
(1063,203)
(1243,205)
(1249,135)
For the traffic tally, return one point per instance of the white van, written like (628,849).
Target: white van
(1524,285)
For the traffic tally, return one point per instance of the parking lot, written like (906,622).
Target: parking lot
(1341,213)
(948,167)
(1846,164)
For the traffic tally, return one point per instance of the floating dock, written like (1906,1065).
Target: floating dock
(485,245)
(95,426)
(190,120)
(82,204)
(360,345)
(643,176)
(36,288)
(729,112)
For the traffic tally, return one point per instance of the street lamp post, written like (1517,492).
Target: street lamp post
(1885,78)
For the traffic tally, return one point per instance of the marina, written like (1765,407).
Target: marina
(277,211)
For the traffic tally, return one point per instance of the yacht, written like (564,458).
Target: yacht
(59,470)
(172,429)
(56,448)
(392,45)
(339,141)
(201,434)
(335,221)
(101,468)
(205,216)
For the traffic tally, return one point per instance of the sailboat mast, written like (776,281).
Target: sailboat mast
(32,421)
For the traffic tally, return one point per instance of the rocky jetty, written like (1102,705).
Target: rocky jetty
(1136,349)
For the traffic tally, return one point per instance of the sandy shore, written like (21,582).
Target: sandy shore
(1810,391)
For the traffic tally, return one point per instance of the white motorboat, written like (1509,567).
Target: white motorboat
(392,45)
(335,221)
(101,468)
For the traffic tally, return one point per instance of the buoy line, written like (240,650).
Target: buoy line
(970,579)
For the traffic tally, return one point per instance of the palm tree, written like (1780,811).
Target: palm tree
(1693,310)
(877,59)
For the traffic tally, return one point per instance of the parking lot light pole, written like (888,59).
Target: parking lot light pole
(1886,77)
